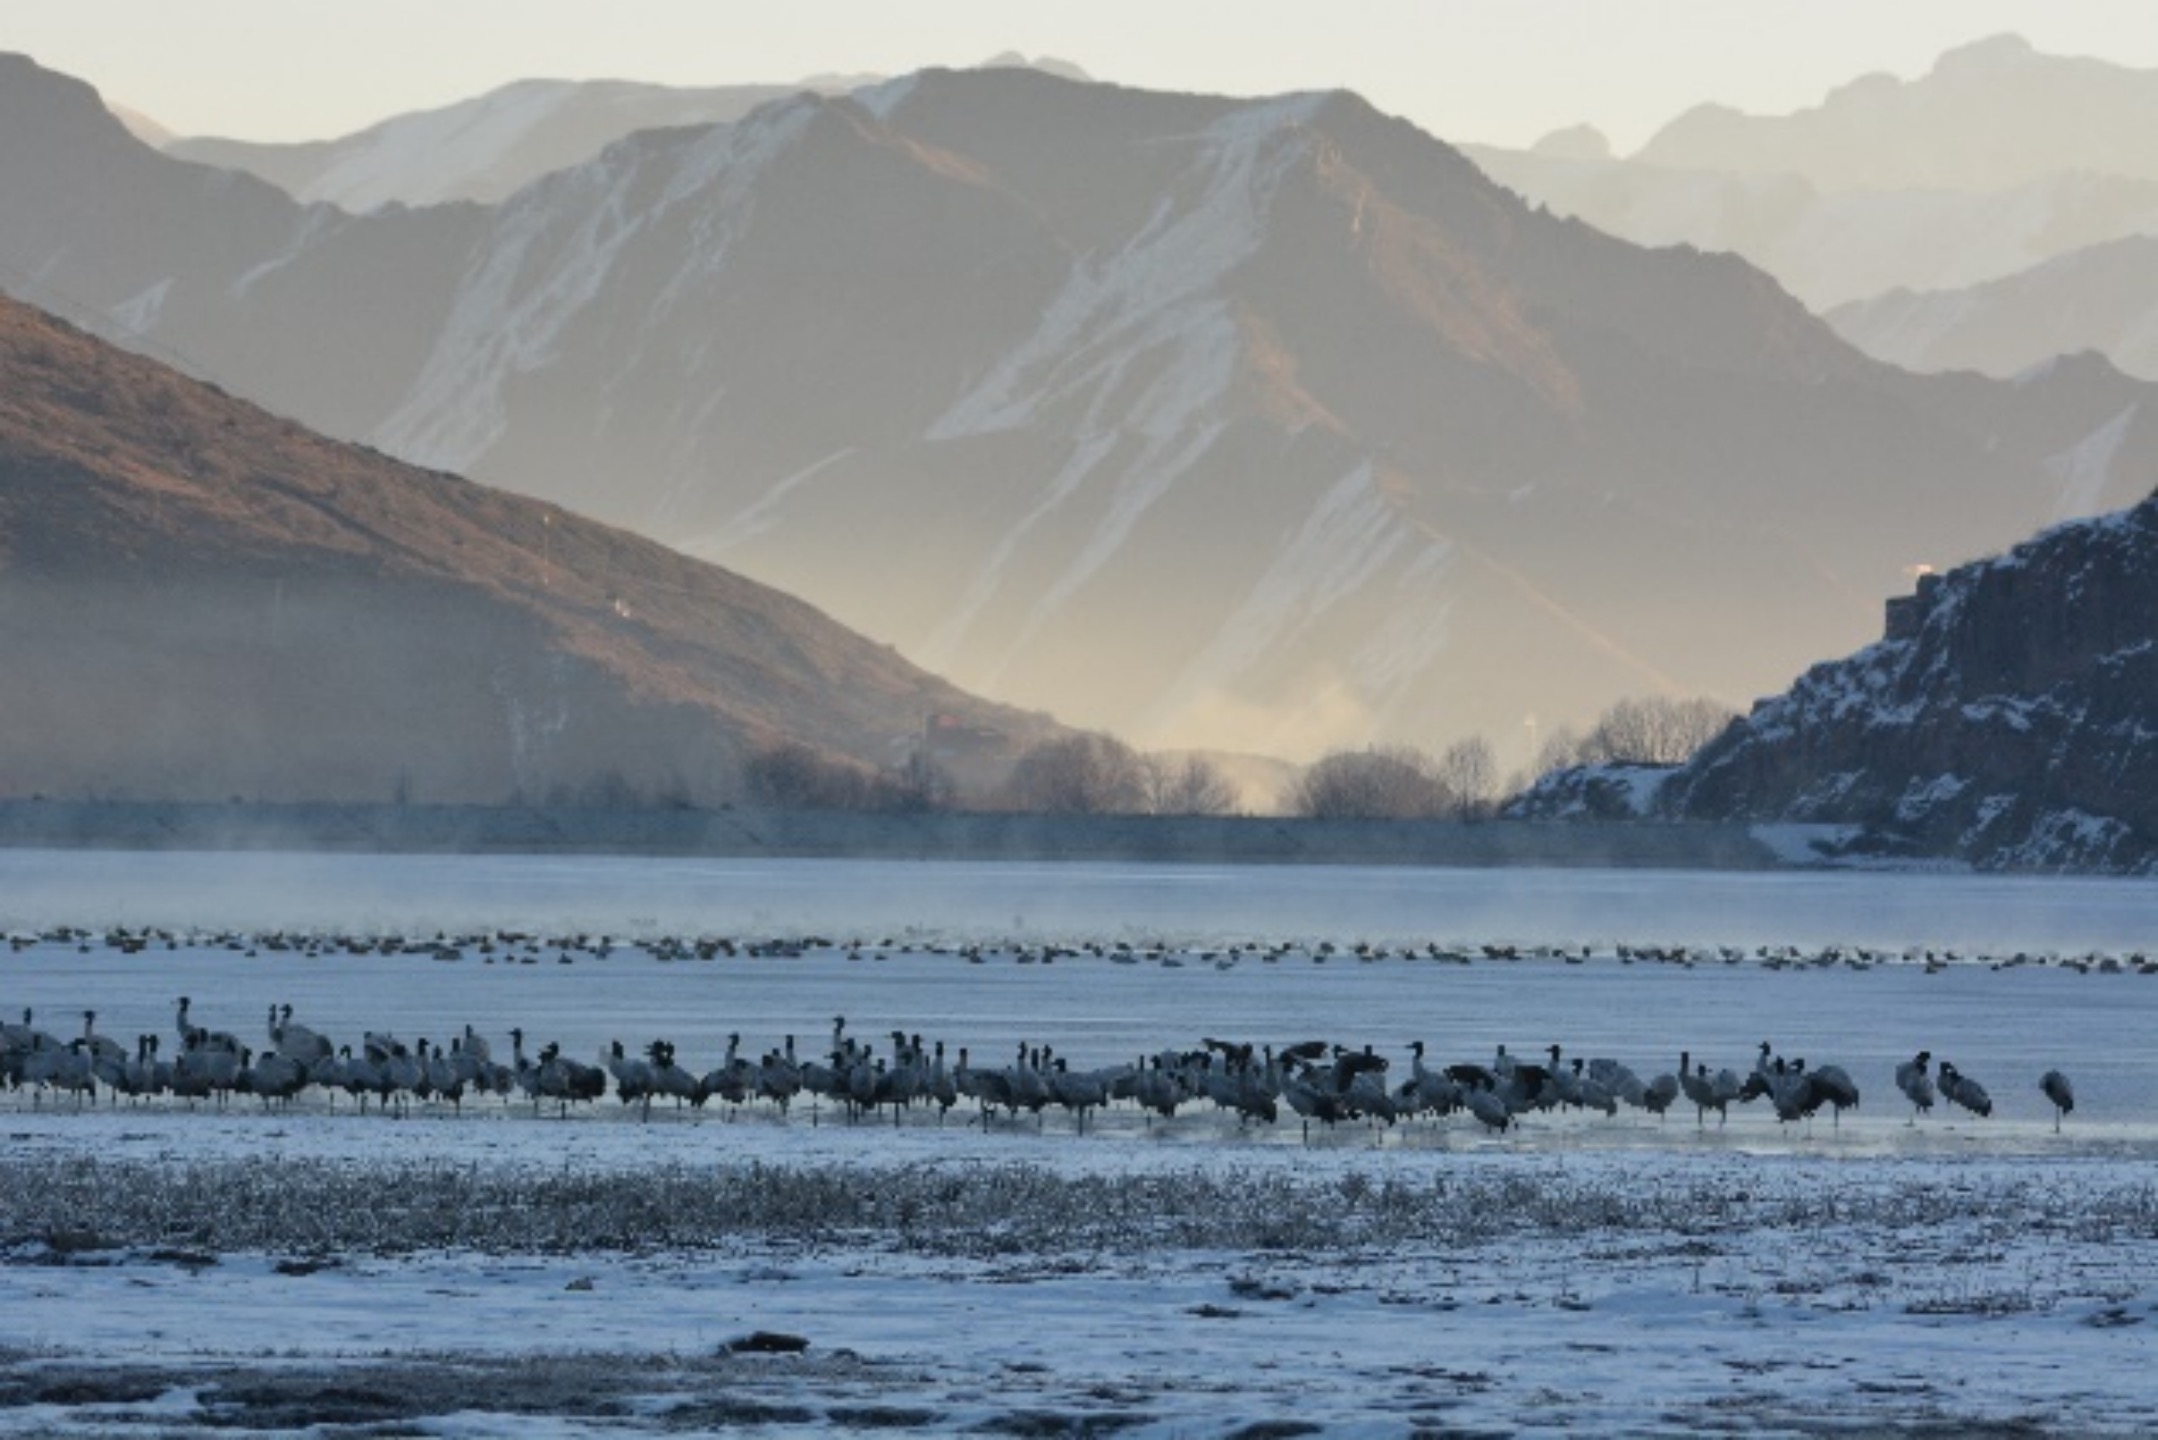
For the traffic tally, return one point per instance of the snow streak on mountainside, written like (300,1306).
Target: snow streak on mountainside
(1263,425)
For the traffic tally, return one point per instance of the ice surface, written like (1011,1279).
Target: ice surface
(1579,1275)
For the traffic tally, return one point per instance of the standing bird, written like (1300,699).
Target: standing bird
(1833,1084)
(100,1047)
(1657,1095)
(2060,1092)
(297,1041)
(1962,1090)
(1917,1086)
(194,1037)
(1487,1107)
(1705,1092)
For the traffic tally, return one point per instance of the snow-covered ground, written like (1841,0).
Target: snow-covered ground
(1580,1274)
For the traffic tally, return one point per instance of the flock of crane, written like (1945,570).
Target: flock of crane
(1312,1080)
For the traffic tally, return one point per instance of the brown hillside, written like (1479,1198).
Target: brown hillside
(199,600)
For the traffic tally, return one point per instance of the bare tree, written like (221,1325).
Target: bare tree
(1394,782)
(1192,785)
(1080,774)
(1470,770)
(1653,730)
(794,776)
(1560,750)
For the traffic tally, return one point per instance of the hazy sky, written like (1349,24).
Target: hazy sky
(1493,70)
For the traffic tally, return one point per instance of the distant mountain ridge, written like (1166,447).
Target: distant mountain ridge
(1990,115)
(2004,719)
(200,601)
(1265,425)
(482,149)
(491,146)
(1837,247)
(1999,159)
(2104,298)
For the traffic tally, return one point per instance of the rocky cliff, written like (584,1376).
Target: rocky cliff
(2008,717)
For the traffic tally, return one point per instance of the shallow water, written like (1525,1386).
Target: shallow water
(887,959)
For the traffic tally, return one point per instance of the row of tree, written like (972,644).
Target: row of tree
(1399,782)
(1087,773)
(1644,731)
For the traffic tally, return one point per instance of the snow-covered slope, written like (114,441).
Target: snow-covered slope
(2104,298)
(2006,717)
(1255,424)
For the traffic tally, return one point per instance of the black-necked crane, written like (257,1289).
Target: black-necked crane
(296,1041)
(1916,1084)
(1962,1090)
(2063,1095)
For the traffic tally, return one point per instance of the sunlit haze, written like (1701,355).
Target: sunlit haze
(1471,70)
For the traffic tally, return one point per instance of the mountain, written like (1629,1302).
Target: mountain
(2004,718)
(201,601)
(2104,298)
(1259,425)
(306,310)
(1990,116)
(1834,247)
(2001,158)
(480,149)
(495,144)
(142,127)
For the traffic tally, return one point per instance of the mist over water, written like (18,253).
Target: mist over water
(1990,915)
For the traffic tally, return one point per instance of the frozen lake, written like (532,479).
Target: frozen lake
(956,953)
(1578,1274)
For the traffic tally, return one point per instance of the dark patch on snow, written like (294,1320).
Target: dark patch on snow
(883,1417)
(309,1265)
(1043,1424)
(88,1387)
(768,1342)
(725,1413)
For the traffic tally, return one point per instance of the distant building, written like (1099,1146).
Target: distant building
(1907,613)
